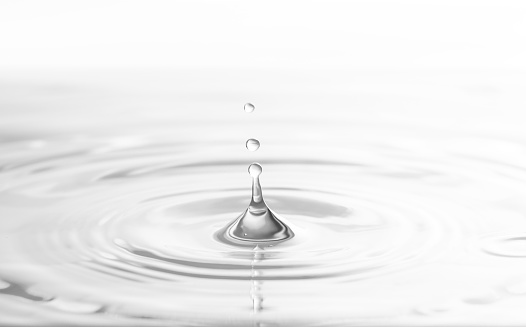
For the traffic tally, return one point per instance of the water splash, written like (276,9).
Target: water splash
(258,223)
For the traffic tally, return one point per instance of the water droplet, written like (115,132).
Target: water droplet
(258,223)
(255,170)
(252,144)
(249,107)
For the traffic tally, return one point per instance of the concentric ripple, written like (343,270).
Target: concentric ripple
(128,231)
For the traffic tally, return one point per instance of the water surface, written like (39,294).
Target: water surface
(402,215)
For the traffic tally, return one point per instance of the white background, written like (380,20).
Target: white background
(373,35)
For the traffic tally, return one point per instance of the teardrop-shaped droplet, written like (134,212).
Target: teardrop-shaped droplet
(252,144)
(258,223)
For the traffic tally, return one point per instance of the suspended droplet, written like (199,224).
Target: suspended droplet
(252,144)
(249,107)
(258,223)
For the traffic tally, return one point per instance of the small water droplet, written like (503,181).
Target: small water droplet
(249,107)
(255,170)
(252,144)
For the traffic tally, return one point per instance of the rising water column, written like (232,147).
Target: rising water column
(258,223)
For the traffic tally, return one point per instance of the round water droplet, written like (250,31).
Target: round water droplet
(252,144)
(249,107)
(255,169)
